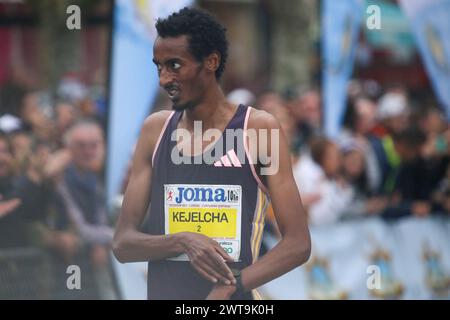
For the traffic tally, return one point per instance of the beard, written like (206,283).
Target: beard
(190,105)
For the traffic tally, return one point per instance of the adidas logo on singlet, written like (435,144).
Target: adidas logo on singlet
(230,159)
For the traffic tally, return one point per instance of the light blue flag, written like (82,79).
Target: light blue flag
(134,79)
(340,28)
(430,22)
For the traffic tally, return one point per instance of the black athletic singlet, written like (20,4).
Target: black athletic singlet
(223,199)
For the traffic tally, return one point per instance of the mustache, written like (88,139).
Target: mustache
(171,87)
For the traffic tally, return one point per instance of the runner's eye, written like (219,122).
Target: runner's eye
(175,66)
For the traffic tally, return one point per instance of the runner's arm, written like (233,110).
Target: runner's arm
(294,247)
(131,245)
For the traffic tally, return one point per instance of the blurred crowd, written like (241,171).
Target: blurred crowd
(52,151)
(390,159)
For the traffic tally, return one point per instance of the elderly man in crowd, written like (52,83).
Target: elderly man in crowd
(82,191)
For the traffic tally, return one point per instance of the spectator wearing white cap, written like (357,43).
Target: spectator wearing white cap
(241,95)
(393,113)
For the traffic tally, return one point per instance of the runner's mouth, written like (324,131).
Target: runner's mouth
(173,93)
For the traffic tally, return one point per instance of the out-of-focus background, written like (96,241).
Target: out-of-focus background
(361,89)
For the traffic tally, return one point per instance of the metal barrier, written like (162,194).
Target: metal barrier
(32,273)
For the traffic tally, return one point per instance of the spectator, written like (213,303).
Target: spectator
(21,142)
(66,116)
(393,113)
(81,188)
(241,95)
(433,124)
(54,231)
(13,225)
(34,119)
(19,81)
(434,152)
(359,120)
(32,218)
(306,111)
(413,187)
(354,175)
(274,104)
(6,205)
(441,196)
(316,174)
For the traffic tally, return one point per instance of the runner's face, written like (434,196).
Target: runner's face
(180,74)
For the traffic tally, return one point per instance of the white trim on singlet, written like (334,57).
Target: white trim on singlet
(249,157)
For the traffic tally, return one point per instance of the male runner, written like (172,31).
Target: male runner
(207,217)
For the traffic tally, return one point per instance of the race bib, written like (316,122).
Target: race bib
(212,210)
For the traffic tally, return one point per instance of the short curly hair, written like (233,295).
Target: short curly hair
(205,34)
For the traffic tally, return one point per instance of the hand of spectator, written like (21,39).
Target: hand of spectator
(446,204)
(38,120)
(67,244)
(99,256)
(7,206)
(57,162)
(428,150)
(395,198)
(35,169)
(421,208)
(376,205)
(341,182)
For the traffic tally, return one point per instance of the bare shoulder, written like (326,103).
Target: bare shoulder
(151,129)
(154,122)
(260,119)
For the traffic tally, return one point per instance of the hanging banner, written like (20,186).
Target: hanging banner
(430,22)
(340,28)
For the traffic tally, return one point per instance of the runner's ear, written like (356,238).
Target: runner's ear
(212,61)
